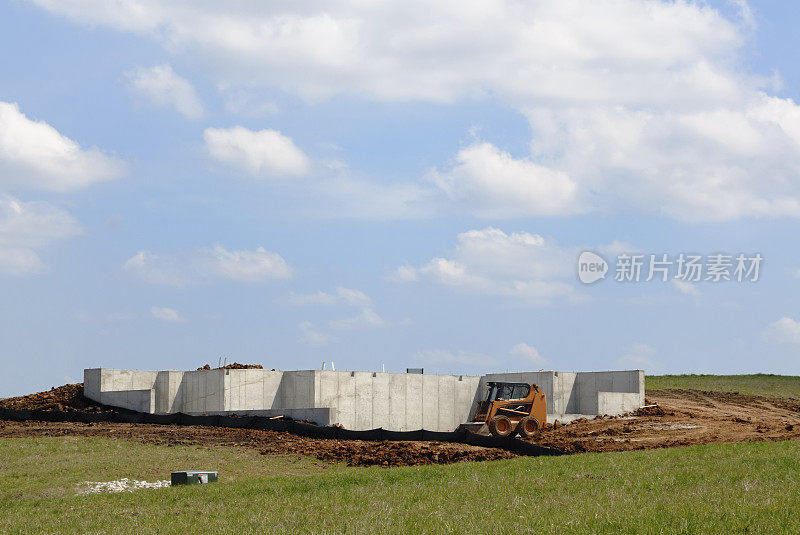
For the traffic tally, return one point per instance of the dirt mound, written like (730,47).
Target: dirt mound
(649,410)
(358,453)
(67,398)
(234,366)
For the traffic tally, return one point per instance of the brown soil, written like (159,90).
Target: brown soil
(681,418)
(353,452)
(234,366)
(67,398)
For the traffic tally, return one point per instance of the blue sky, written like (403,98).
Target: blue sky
(395,187)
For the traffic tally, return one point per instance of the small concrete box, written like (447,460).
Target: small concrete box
(193,477)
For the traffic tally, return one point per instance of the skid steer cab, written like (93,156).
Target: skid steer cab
(512,408)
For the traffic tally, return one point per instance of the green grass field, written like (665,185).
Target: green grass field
(719,488)
(783,386)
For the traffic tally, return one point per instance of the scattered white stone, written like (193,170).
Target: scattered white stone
(668,426)
(122,485)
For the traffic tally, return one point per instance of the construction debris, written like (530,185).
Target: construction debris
(234,366)
(121,485)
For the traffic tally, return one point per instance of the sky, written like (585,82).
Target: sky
(384,185)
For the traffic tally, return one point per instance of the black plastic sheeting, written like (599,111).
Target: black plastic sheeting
(282,424)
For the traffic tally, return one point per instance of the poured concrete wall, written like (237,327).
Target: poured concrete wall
(582,393)
(396,401)
(129,389)
(355,400)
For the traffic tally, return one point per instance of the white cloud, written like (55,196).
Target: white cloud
(246,266)
(206,264)
(638,356)
(166,314)
(558,50)
(345,296)
(491,262)
(27,226)
(34,155)
(785,330)
(685,287)
(367,318)
(635,105)
(490,183)
(529,353)
(265,153)
(312,337)
(163,88)
(694,164)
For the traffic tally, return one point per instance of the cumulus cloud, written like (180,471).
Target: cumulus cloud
(169,315)
(163,88)
(490,183)
(685,287)
(634,105)
(206,264)
(27,226)
(529,353)
(489,261)
(343,296)
(34,155)
(559,50)
(783,331)
(264,153)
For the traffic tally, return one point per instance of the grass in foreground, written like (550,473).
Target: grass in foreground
(760,384)
(717,488)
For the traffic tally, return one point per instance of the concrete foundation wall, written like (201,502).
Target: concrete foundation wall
(396,401)
(586,393)
(355,400)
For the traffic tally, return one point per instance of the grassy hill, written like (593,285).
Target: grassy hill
(710,489)
(784,386)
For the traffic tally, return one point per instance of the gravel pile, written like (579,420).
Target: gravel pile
(122,485)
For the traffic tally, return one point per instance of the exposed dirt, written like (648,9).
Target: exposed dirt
(682,418)
(67,398)
(234,366)
(353,452)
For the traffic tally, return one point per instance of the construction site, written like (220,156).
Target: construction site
(356,400)
(657,418)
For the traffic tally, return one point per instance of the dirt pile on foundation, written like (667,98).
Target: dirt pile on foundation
(234,366)
(67,398)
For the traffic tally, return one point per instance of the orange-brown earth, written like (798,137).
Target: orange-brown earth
(689,417)
(682,418)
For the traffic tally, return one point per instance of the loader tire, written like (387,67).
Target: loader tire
(528,427)
(500,426)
